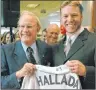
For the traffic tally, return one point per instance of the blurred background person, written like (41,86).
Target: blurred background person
(17,36)
(6,38)
(52,34)
(90,29)
(2,38)
(43,37)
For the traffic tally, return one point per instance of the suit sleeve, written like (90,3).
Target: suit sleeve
(49,56)
(8,81)
(90,75)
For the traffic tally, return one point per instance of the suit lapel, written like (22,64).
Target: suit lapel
(40,50)
(19,54)
(61,52)
(78,44)
(75,47)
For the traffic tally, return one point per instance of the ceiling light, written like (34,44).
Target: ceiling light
(32,5)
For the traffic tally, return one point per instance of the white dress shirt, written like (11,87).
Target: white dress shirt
(35,50)
(70,40)
(74,36)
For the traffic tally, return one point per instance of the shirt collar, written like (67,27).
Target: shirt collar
(33,46)
(75,35)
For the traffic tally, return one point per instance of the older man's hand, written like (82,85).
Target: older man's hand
(27,69)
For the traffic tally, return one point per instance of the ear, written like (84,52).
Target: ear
(82,17)
(38,28)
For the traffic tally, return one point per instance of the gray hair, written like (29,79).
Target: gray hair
(31,14)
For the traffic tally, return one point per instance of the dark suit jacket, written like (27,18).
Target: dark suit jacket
(13,58)
(83,49)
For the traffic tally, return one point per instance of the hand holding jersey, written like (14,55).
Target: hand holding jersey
(76,67)
(27,69)
(46,77)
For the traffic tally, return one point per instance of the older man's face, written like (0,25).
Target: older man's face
(28,29)
(52,35)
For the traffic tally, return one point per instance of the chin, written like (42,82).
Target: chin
(71,31)
(25,40)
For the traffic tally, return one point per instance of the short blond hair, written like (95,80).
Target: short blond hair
(72,3)
(31,14)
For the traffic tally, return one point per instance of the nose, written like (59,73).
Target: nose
(70,18)
(25,28)
(54,35)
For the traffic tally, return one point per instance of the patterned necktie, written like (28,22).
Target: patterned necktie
(30,55)
(68,46)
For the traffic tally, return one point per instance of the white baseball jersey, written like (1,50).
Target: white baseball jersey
(46,77)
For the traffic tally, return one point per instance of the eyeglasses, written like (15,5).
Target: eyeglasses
(27,26)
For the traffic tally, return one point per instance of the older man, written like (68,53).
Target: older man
(52,34)
(18,59)
(43,37)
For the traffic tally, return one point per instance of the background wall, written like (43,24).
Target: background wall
(87,16)
(87,13)
(54,16)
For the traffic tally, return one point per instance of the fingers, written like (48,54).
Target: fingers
(27,69)
(76,67)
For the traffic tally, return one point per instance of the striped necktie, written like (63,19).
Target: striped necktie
(68,46)
(30,55)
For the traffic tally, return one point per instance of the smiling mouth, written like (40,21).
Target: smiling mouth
(25,34)
(70,25)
